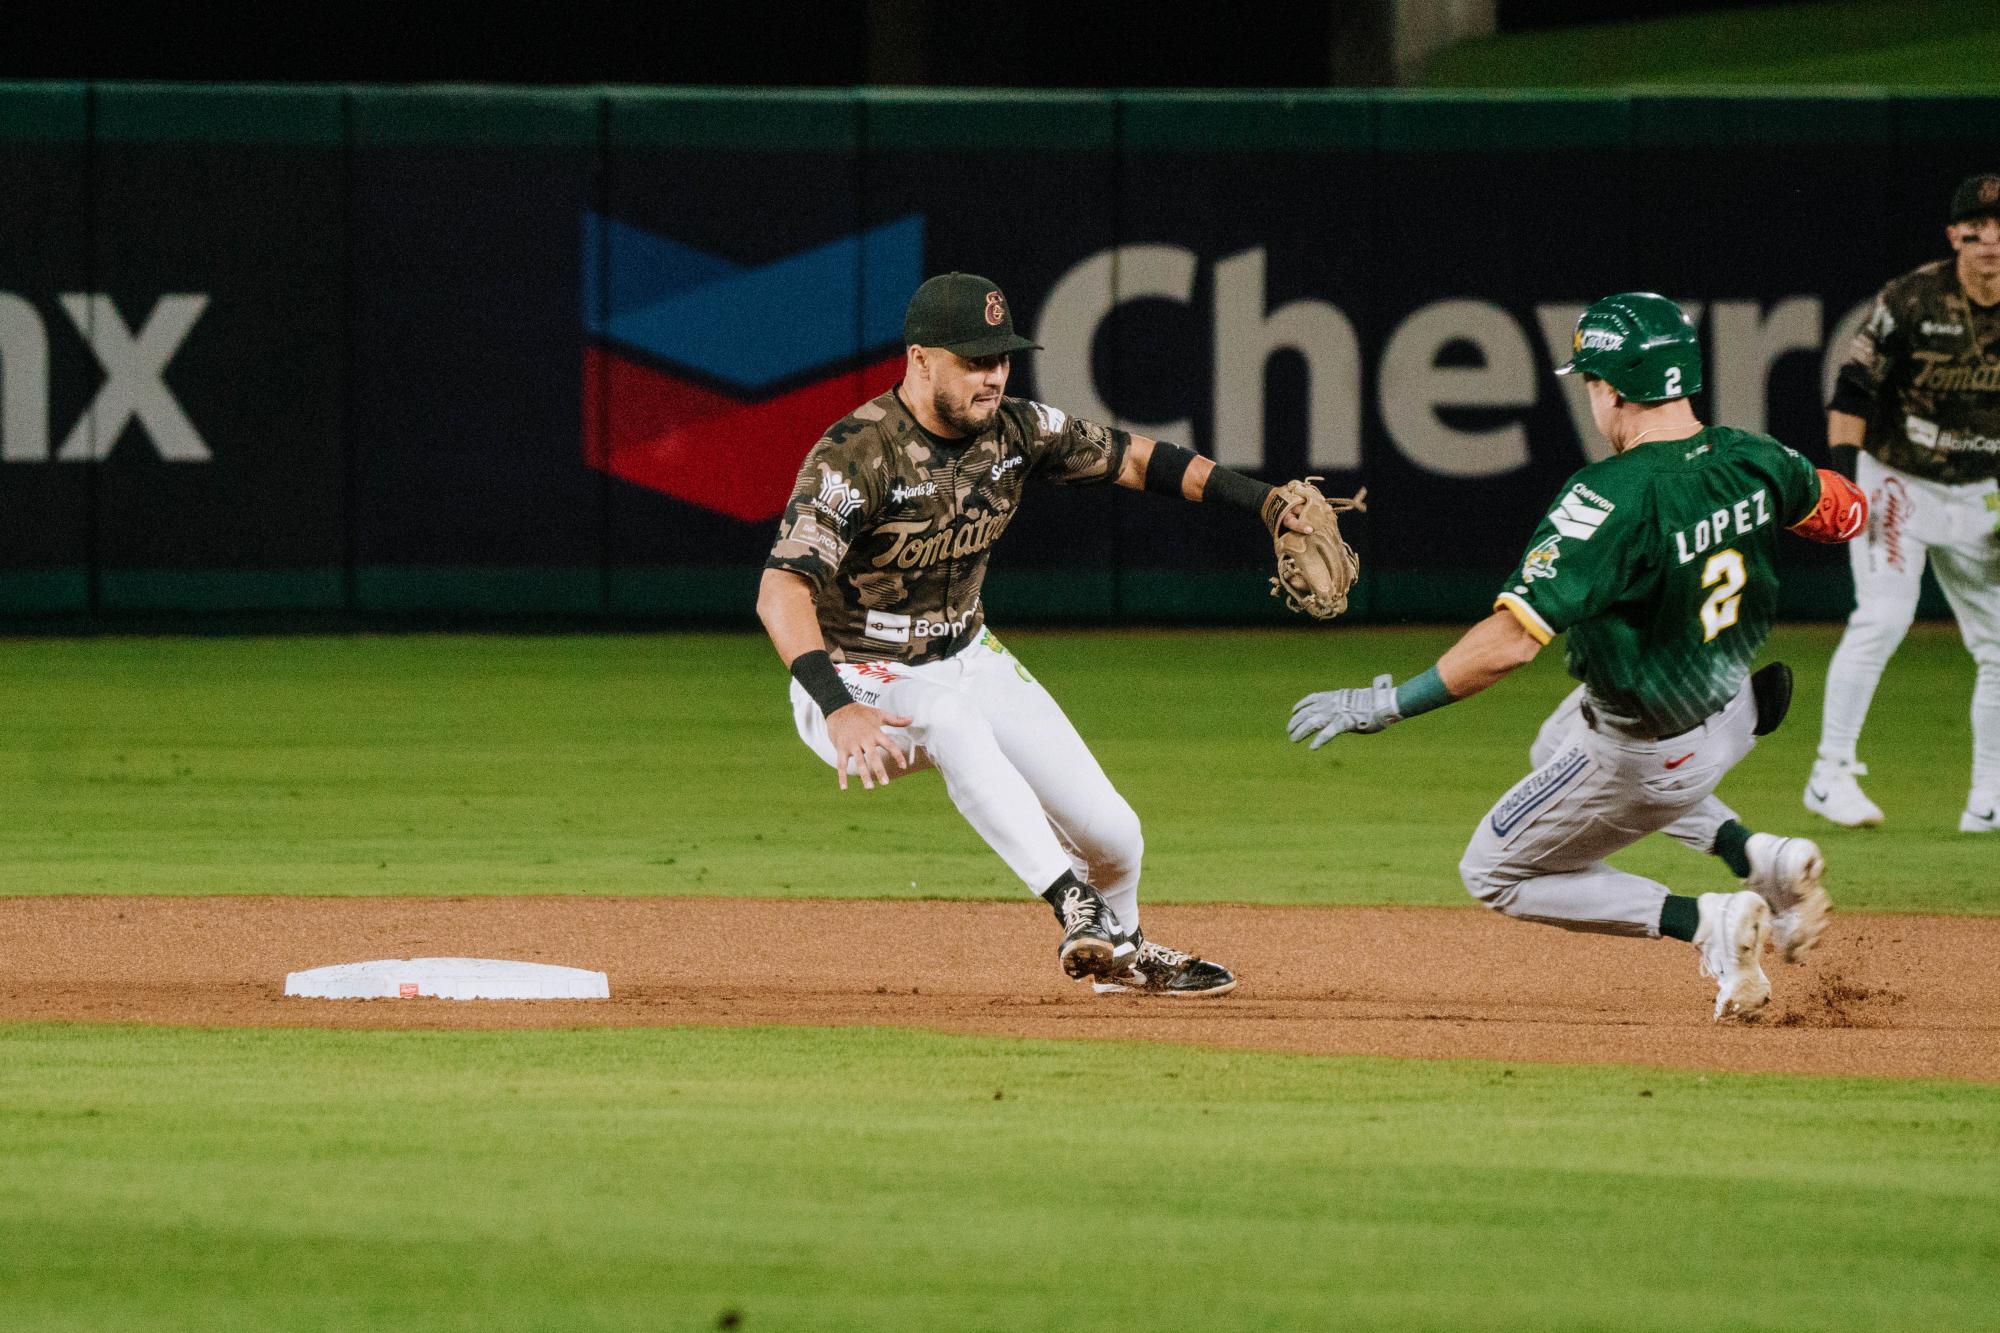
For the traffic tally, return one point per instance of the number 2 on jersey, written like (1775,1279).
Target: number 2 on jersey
(1723,572)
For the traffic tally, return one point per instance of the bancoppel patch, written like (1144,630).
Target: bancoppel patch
(888,627)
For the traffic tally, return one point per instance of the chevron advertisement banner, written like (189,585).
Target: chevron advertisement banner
(713,371)
(470,352)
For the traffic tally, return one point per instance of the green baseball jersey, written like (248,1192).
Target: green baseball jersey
(1660,564)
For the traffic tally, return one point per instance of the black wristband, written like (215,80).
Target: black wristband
(1852,399)
(1233,488)
(814,670)
(1844,458)
(1167,466)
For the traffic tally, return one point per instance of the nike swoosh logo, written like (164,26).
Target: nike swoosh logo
(1817,794)
(1676,763)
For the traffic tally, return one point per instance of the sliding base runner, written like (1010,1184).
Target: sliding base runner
(1660,564)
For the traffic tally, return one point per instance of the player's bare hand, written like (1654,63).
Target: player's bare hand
(857,737)
(1289,518)
(1333,712)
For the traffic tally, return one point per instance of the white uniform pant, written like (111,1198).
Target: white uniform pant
(1911,521)
(1539,854)
(1011,762)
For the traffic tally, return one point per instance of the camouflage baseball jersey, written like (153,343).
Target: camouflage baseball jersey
(1660,562)
(1924,373)
(894,526)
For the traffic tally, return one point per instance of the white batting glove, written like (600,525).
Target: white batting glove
(1330,712)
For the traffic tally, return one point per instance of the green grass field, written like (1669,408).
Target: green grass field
(455,765)
(814,1180)
(863,1179)
(1898,43)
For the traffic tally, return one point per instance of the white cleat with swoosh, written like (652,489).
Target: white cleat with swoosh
(1834,793)
(1982,813)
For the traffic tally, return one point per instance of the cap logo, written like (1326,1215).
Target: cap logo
(1599,340)
(996,309)
(1989,190)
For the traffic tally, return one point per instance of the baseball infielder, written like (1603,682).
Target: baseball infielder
(1919,399)
(1658,562)
(871,596)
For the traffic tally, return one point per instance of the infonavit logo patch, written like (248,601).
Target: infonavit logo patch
(708,380)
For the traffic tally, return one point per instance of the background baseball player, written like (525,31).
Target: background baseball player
(1659,564)
(872,598)
(1920,395)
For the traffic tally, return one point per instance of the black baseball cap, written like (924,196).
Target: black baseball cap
(1976,197)
(962,313)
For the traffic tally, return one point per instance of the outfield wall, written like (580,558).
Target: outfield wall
(437,351)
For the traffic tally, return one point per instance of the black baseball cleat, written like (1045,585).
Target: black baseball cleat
(1158,970)
(1089,941)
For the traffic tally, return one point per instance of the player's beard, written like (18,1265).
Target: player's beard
(964,417)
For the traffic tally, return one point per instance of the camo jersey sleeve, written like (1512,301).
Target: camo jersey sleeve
(1069,450)
(1870,357)
(838,493)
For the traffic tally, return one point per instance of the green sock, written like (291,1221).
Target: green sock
(1678,917)
(1732,842)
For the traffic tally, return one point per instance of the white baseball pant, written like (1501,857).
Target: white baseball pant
(1697,828)
(1911,520)
(1539,853)
(1011,762)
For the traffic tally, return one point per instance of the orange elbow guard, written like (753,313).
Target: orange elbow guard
(1841,513)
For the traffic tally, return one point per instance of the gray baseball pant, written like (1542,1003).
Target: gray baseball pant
(1539,854)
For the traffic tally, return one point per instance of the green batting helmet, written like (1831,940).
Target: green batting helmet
(1640,344)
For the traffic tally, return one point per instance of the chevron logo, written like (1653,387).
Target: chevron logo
(1579,518)
(707,379)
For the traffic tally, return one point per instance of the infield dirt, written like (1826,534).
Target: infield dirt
(1903,996)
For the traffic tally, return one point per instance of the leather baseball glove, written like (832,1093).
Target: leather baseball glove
(1315,567)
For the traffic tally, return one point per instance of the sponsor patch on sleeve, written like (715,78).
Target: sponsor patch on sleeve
(836,497)
(1580,513)
(807,538)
